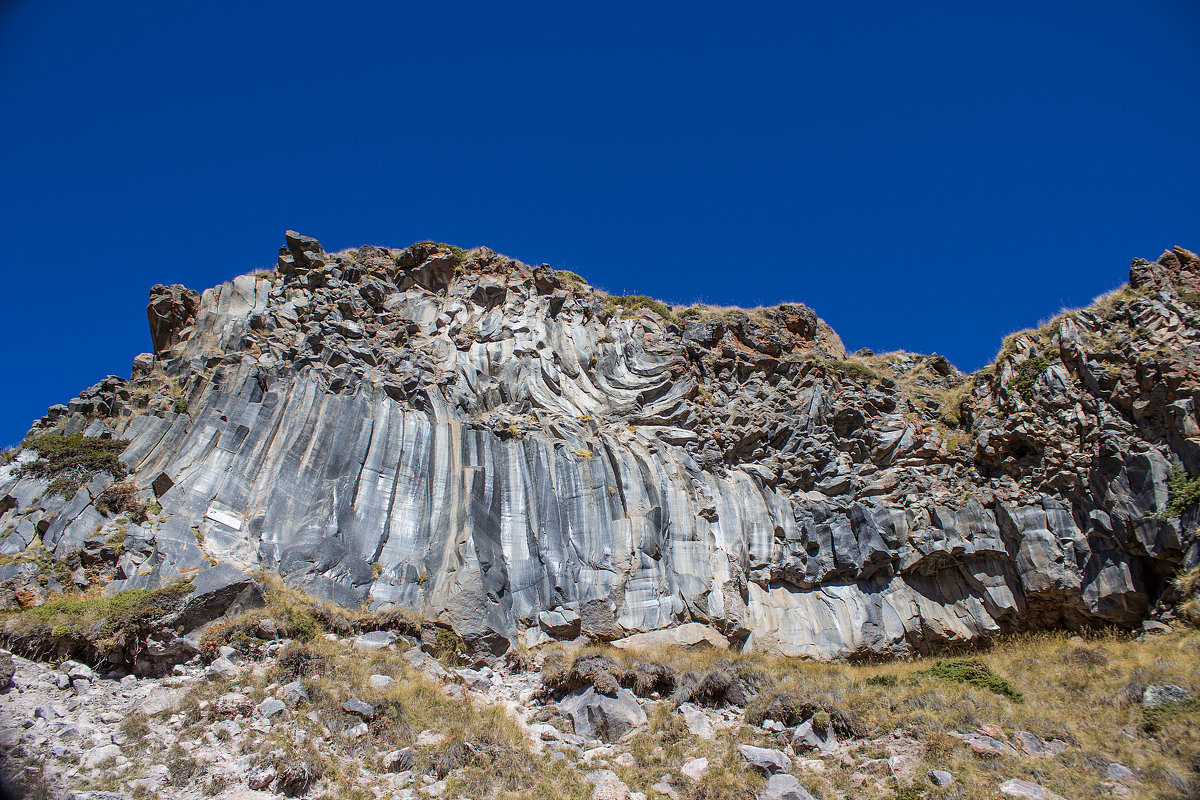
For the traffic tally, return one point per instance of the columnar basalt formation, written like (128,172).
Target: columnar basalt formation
(507,450)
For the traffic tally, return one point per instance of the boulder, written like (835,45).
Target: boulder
(690,635)
(599,716)
(217,591)
(765,759)
(784,787)
(359,708)
(171,311)
(561,623)
(306,251)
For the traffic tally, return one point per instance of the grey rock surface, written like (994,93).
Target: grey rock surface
(500,450)
(765,759)
(598,716)
(784,787)
(1159,695)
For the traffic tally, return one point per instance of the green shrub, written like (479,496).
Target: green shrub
(1026,374)
(820,722)
(972,672)
(71,461)
(1182,492)
(447,645)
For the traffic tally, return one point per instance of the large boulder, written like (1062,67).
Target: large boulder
(217,591)
(599,716)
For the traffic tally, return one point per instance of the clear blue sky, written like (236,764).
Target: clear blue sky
(927,176)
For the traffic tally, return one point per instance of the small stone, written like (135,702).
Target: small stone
(294,694)
(381,682)
(271,707)
(784,787)
(696,720)
(260,779)
(374,640)
(1164,694)
(939,777)
(359,708)
(97,755)
(1027,790)
(221,668)
(429,738)
(400,760)
(1030,745)
(694,768)
(1121,773)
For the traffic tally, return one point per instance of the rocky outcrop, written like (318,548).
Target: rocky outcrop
(514,453)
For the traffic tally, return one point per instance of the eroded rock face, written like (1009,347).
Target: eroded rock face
(508,452)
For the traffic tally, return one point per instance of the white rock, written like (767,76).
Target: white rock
(694,768)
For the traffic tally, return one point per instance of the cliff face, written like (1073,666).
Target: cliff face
(507,450)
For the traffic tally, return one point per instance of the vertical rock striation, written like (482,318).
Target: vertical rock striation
(519,455)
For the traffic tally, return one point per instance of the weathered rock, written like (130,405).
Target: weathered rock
(1027,790)
(216,591)
(1160,695)
(765,759)
(7,669)
(488,446)
(399,760)
(381,682)
(375,640)
(294,694)
(171,311)
(784,787)
(599,716)
(359,708)
(697,721)
(691,635)
(939,777)
(807,738)
(694,768)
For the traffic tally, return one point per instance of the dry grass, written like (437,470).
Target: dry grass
(1070,687)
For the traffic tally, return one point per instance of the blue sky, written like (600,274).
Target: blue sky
(927,176)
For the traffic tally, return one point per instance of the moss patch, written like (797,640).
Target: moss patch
(973,672)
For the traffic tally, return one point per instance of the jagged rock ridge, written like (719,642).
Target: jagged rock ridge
(507,450)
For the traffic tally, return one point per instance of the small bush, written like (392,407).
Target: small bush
(820,722)
(71,461)
(121,498)
(882,680)
(636,302)
(1182,492)
(447,646)
(973,672)
(298,660)
(571,277)
(1026,374)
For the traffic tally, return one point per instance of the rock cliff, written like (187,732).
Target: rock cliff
(507,450)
